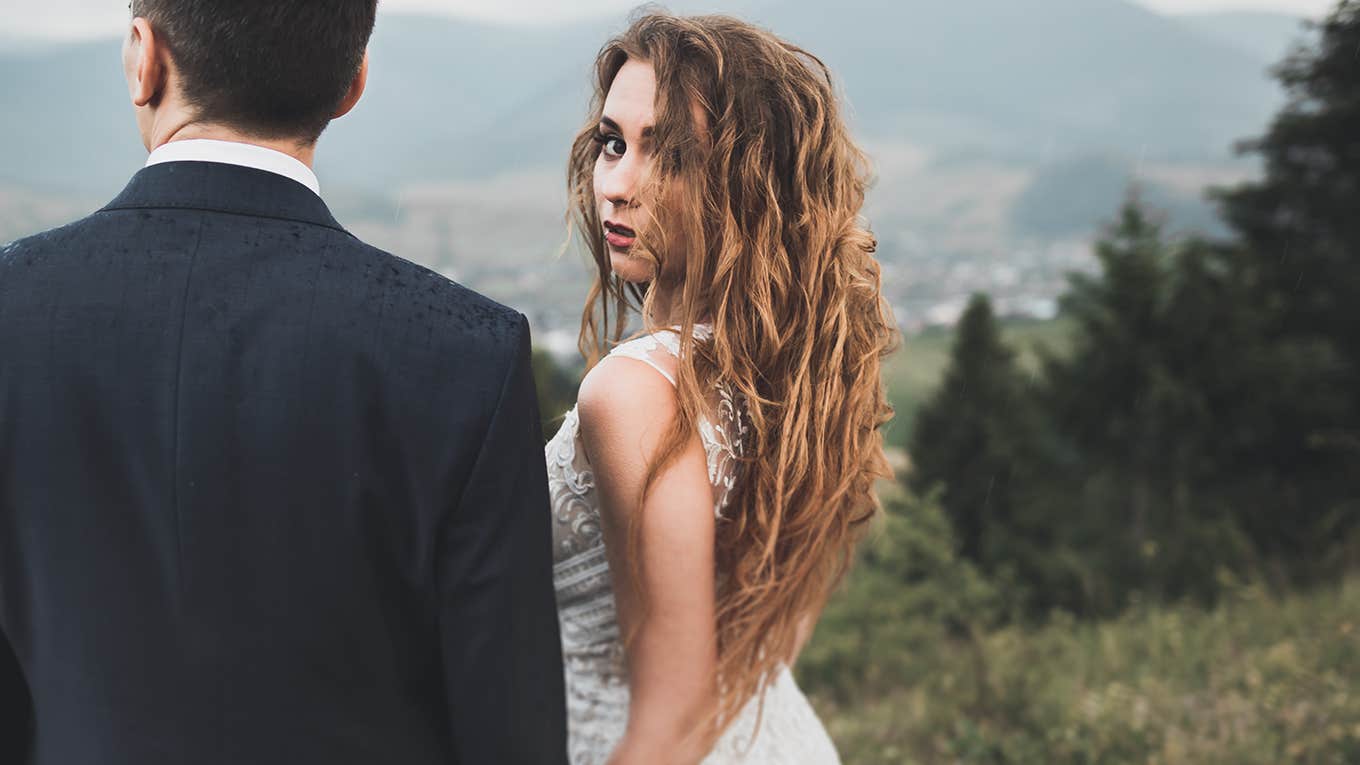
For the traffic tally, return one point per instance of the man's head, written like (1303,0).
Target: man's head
(269,69)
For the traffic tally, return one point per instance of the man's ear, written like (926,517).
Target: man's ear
(355,92)
(145,64)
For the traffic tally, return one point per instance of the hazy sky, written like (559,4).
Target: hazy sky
(97,18)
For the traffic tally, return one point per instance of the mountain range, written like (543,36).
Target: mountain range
(1018,80)
(1003,133)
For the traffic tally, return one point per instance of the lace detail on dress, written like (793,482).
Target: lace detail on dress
(570,486)
(592,649)
(724,442)
(723,433)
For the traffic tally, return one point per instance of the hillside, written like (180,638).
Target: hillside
(448,98)
(1267,36)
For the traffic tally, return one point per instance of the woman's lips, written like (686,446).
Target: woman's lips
(619,236)
(618,240)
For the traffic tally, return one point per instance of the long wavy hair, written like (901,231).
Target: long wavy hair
(760,197)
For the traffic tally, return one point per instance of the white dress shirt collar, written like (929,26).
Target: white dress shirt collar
(232,153)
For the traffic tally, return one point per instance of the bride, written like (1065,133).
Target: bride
(709,487)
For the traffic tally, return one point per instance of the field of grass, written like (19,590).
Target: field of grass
(1258,680)
(915,370)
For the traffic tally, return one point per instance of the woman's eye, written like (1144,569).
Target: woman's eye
(614,147)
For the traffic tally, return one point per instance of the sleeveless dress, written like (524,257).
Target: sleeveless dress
(787,731)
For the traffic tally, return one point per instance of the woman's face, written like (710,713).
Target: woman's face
(622,167)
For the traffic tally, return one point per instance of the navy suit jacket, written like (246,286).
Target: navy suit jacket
(267,494)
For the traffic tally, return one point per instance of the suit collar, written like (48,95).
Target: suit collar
(236,153)
(227,188)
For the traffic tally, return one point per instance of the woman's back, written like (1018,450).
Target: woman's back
(592,643)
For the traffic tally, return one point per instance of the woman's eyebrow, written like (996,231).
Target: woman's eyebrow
(610,124)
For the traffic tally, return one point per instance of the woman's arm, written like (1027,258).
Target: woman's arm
(626,410)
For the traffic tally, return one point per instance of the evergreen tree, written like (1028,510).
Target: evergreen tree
(1106,400)
(969,439)
(1299,229)
(1142,410)
(1301,222)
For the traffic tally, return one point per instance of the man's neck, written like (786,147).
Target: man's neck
(302,152)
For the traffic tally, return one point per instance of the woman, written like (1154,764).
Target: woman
(711,483)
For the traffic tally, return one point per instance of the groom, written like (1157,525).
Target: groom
(267,494)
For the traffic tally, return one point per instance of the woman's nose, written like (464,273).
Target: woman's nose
(620,183)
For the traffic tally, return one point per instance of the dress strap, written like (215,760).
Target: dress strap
(649,348)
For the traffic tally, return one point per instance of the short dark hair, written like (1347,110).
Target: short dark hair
(271,68)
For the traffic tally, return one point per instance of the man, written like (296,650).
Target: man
(267,494)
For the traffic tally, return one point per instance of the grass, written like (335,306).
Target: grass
(1255,681)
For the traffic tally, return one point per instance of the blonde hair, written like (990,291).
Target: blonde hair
(761,200)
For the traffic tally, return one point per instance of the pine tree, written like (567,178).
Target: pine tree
(1299,231)
(1142,410)
(970,438)
(1106,401)
(1301,222)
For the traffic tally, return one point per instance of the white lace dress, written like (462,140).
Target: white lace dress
(596,678)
